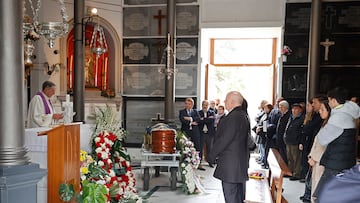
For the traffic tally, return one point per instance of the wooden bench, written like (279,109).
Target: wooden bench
(269,189)
(258,191)
(277,170)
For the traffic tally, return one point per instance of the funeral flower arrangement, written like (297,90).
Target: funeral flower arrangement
(189,161)
(106,173)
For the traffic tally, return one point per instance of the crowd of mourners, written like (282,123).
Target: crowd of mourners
(317,139)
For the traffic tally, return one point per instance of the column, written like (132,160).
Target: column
(17,174)
(12,121)
(79,84)
(170,65)
(314,50)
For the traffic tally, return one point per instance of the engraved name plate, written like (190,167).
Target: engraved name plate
(185,82)
(187,22)
(136,51)
(186,51)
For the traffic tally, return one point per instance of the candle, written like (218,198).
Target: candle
(70,71)
(68,98)
(105,72)
(96,70)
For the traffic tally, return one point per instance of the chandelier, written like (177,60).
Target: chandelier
(33,29)
(98,43)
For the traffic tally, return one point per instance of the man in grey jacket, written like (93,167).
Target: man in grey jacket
(338,136)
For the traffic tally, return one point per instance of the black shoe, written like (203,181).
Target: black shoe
(306,200)
(294,178)
(301,197)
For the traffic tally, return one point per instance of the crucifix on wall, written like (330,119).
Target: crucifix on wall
(327,43)
(159,17)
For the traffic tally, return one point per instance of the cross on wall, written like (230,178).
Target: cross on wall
(159,17)
(327,43)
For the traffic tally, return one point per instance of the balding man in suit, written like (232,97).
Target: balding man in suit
(230,149)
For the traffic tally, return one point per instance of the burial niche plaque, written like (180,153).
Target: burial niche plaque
(136,22)
(187,22)
(186,51)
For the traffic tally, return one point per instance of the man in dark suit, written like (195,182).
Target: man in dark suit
(280,129)
(231,150)
(207,128)
(190,119)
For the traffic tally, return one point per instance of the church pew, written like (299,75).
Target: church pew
(258,191)
(277,170)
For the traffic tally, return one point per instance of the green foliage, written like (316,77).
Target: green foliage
(96,172)
(66,192)
(93,193)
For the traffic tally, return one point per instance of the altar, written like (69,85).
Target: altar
(37,146)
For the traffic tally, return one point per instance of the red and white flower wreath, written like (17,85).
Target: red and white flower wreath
(116,162)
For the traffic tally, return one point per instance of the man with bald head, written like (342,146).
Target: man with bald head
(230,150)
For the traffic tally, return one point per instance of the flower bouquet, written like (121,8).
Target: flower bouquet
(189,161)
(106,173)
(286,50)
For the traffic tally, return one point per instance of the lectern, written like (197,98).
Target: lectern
(63,158)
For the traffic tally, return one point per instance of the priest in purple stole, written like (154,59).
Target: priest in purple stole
(41,112)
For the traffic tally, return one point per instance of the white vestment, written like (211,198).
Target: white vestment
(36,114)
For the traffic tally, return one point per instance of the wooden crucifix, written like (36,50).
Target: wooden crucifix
(327,43)
(159,17)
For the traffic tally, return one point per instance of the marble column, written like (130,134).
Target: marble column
(79,84)
(170,64)
(314,50)
(12,121)
(18,177)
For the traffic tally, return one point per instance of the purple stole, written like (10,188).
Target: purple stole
(46,105)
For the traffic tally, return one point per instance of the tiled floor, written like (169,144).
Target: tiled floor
(159,188)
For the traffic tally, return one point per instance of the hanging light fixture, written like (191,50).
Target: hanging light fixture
(169,69)
(98,43)
(49,30)
(28,51)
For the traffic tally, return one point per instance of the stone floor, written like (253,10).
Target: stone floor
(160,192)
